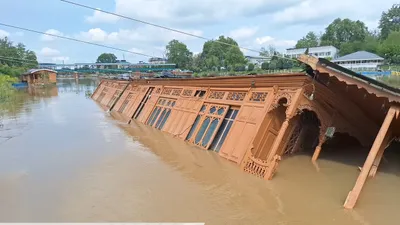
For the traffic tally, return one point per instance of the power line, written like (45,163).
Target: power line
(17,59)
(76,40)
(156,25)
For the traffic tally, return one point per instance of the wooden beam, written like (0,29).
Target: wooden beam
(383,132)
(385,144)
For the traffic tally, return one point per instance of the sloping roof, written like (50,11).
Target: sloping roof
(31,71)
(360,55)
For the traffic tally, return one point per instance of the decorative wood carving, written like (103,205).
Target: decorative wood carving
(236,96)
(187,92)
(255,166)
(176,92)
(280,95)
(258,96)
(216,95)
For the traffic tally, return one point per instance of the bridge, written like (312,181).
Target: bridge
(119,67)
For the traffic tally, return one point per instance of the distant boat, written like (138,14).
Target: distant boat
(20,85)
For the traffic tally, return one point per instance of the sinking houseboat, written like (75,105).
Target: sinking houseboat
(254,120)
(39,77)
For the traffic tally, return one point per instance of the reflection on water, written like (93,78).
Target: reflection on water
(72,162)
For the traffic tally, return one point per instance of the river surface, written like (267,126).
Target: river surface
(64,159)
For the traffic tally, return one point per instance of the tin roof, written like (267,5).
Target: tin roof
(360,55)
(31,71)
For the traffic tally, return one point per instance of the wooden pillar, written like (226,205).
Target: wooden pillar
(322,139)
(379,156)
(272,157)
(383,132)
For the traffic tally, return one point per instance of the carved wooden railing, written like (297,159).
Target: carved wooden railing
(255,166)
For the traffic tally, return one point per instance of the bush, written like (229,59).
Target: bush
(265,66)
(250,67)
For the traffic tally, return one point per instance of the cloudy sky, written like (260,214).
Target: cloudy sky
(253,23)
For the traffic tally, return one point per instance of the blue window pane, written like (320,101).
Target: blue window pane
(165,119)
(194,126)
(235,112)
(203,128)
(221,111)
(203,108)
(210,132)
(152,116)
(229,113)
(173,103)
(155,116)
(161,118)
(212,110)
(219,135)
(218,147)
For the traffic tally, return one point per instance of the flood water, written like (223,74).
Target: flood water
(64,159)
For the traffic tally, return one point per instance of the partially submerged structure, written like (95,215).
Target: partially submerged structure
(39,77)
(254,120)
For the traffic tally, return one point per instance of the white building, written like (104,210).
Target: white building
(320,52)
(156,60)
(360,60)
(258,60)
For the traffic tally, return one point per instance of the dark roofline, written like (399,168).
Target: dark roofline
(351,73)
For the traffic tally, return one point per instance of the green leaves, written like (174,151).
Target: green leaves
(390,48)
(386,23)
(107,58)
(310,40)
(178,53)
(17,56)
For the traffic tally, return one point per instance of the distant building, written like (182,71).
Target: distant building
(258,60)
(39,77)
(320,52)
(156,60)
(360,60)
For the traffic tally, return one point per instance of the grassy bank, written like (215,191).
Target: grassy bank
(242,73)
(393,81)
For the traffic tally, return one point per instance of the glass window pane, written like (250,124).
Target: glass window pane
(219,145)
(221,111)
(194,126)
(155,116)
(161,118)
(235,112)
(203,108)
(203,128)
(152,116)
(210,132)
(219,134)
(212,110)
(165,119)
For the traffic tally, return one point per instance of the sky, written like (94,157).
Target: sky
(252,23)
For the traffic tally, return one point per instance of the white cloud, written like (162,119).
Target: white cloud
(145,34)
(317,11)
(48,52)
(100,17)
(51,38)
(4,34)
(189,11)
(243,33)
(268,40)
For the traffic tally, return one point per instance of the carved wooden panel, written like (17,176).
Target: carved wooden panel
(216,95)
(258,97)
(236,96)
(187,92)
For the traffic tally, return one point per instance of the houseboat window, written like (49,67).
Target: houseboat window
(165,119)
(200,93)
(123,106)
(224,130)
(210,132)
(157,112)
(161,118)
(203,128)
(212,110)
(194,126)
(221,111)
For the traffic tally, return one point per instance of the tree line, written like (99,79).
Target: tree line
(350,36)
(15,58)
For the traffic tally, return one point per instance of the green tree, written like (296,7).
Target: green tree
(273,65)
(106,58)
(178,53)
(15,59)
(342,31)
(265,66)
(250,67)
(386,24)
(221,52)
(310,40)
(235,57)
(390,48)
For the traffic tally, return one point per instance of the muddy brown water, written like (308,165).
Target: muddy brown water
(63,159)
